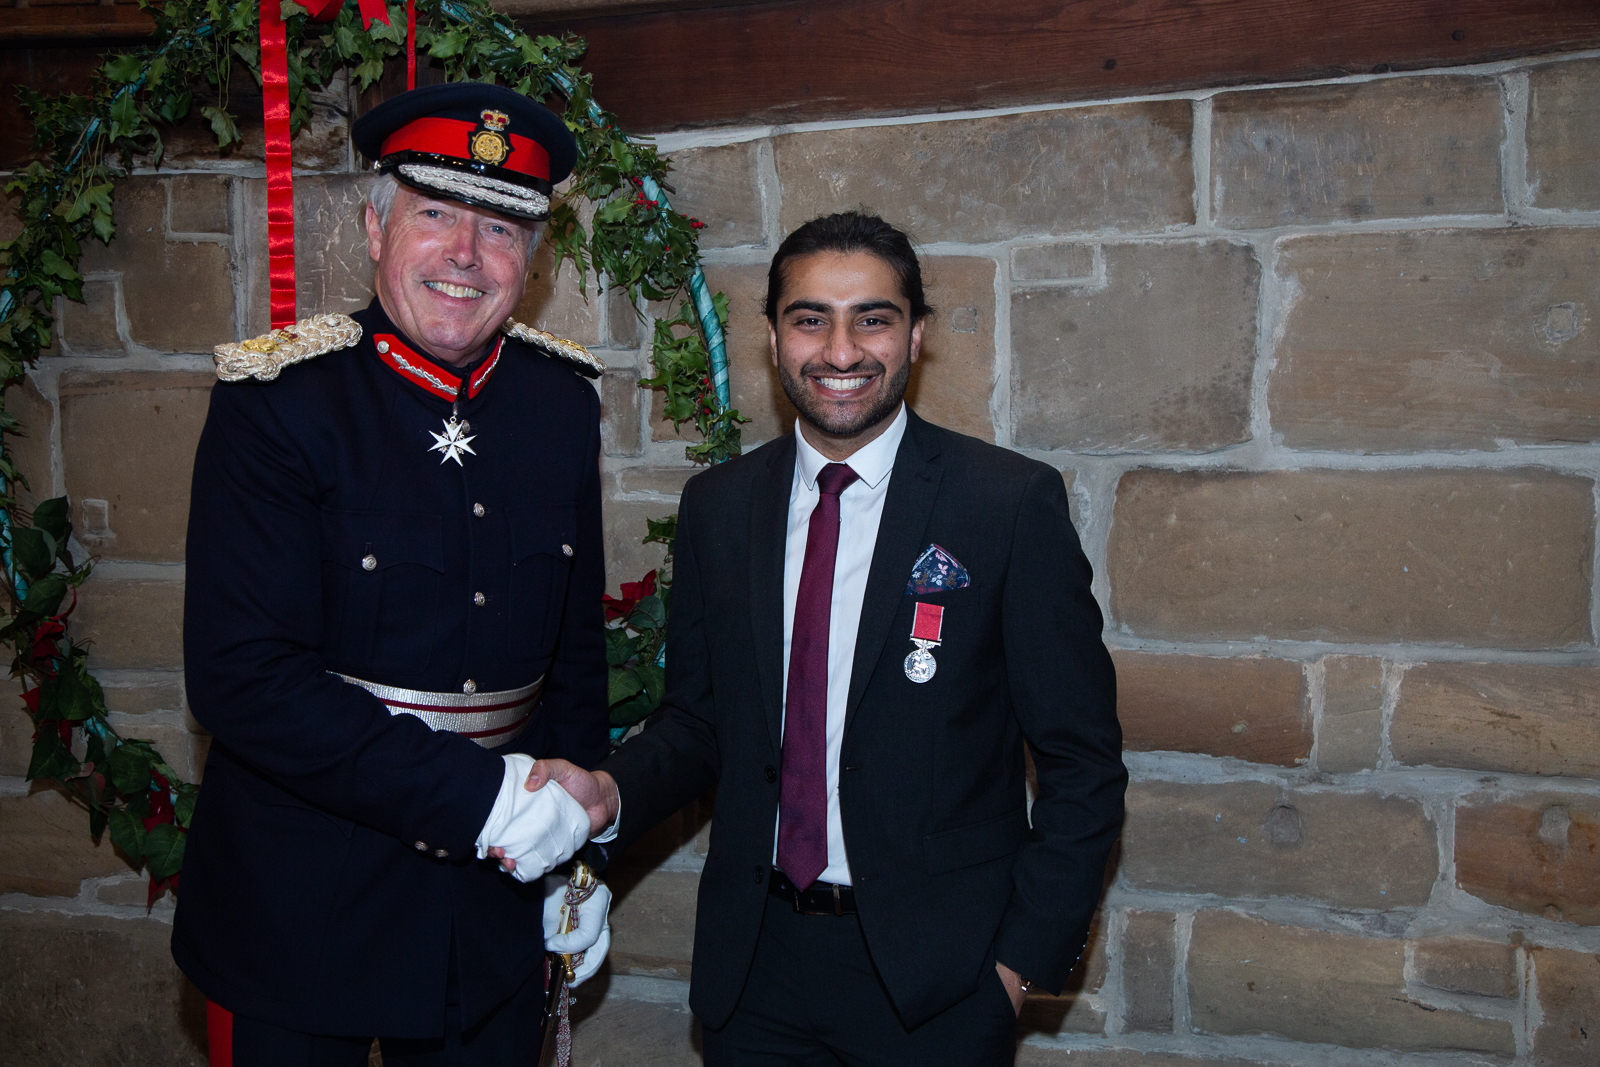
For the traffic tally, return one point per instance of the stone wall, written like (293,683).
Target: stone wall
(1320,368)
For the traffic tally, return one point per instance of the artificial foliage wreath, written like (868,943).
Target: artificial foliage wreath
(83,144)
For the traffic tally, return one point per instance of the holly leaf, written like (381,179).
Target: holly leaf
(163,850)
(127,833)
(51,758)
(129,769)
(51,515)
(123,69)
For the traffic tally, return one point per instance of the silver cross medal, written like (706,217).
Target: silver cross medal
(453,441)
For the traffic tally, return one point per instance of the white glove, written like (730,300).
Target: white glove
(538,830)
(590,938)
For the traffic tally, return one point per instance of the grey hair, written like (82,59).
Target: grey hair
(381,198)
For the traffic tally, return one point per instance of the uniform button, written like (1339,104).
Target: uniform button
(761,872)
(772,774)
(479,510)
(566,550)
(421,846)
(369,562)
(383,346)
(469,687)
(479,599)
(441,853)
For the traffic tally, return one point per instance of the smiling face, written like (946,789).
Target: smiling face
(843,343)
(448,274)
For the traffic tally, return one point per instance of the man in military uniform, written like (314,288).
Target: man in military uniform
(393,604)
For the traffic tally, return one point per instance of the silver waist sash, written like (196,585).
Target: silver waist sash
(490,719)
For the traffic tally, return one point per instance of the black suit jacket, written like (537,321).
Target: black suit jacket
(949,875)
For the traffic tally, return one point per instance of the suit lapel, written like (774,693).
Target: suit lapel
(913,487)
(769,527)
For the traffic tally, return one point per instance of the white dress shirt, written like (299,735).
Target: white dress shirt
(860,508)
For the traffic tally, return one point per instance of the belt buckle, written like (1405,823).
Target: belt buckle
(799,909)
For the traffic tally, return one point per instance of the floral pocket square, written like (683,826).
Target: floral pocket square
(936,571)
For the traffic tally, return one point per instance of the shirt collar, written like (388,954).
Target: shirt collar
(872,462)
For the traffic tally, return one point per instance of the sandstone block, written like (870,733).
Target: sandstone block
(952,381)
(1498,558)
(1249,709)
(91,328)
(133,624)
(45,847)
(30,447)
(1158,358)
(1564,136)
(652,922)
(1569,1035)
(990,179)
(623,327)
(1345,153)
(333,272)
(1439,340)
(1465,965)
(554,303)
(1520,718)
(1538,854)
(1251,839)
(1071,1012)
(1247,976)
(177,291)
(663,482)
(719,186)
(616,1032)
(1148,956)
(322,144)
(129,439)
(620,433)
(85,989)
(16,732)
(198,203)
(1061,261)
(628,558)
(143,698)
(1351,732)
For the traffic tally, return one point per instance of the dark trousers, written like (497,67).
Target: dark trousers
(509,1037)
(813,999)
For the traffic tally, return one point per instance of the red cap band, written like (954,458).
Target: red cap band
(449,137)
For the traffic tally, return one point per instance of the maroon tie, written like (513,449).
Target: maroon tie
(803,802)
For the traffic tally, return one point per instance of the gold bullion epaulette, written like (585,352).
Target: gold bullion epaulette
(265,356)
(568,351)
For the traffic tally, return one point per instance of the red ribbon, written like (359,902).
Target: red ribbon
(373,11)
(411,44)
(280,164)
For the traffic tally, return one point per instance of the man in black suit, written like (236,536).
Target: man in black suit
(888,612)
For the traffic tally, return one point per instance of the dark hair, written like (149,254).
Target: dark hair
(846,232)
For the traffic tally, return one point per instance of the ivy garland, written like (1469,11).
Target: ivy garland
(83,144)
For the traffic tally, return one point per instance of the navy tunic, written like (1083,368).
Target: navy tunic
(330,867)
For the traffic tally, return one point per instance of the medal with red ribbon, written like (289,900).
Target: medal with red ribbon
(925,630)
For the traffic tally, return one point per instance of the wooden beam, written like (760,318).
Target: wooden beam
(75,22)
(804,60)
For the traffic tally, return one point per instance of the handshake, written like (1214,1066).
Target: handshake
(543,814)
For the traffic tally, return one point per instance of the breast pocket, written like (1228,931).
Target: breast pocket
(382,572)
(542,552)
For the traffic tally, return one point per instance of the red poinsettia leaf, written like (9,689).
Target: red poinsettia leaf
(30,697)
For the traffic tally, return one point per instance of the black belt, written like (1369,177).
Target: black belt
(823,898)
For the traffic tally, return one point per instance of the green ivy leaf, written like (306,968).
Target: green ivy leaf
(51,759)
(222,125)
(450,43)
(123,69)
(129,769)
(127,833)
(163,849)
(55,265)
(51,515)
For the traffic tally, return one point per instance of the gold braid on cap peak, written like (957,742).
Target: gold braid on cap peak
(264,357)
(583,362)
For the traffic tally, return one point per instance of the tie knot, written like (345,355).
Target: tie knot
(835,478)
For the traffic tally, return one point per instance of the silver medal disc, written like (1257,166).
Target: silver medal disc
(920,665)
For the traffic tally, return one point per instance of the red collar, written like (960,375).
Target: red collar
(420,370)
